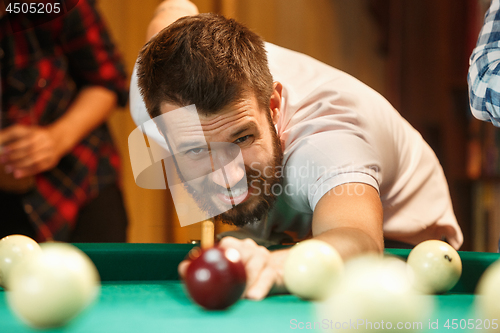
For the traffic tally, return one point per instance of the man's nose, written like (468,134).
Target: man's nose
(228,171)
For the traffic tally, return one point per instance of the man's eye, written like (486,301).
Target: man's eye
(196,151)
(242,139)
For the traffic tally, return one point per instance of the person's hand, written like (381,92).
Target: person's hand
(28,150)
(264,268)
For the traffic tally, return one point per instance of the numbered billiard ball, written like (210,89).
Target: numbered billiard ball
(14,249)
(311,269)
(436,266)
(52,287)
(216,277)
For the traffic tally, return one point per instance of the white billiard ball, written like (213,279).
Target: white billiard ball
(436,266)
(311,269)
(374,294)
(51,288)
(14,249)
(488,293)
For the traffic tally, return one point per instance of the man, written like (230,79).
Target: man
(349,168)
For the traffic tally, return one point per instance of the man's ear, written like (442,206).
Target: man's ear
(275,102)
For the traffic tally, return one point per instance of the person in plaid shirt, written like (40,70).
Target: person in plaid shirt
(484,70)
(59,82)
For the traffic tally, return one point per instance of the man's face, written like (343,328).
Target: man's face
(206,153)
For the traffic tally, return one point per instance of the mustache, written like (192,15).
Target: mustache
(244,183)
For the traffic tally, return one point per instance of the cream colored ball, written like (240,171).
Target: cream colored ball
(374,294)
(436,266)
(488,295)
(312,269)
(13,250)
(51,288)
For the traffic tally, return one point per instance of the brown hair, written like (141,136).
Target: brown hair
(206,60)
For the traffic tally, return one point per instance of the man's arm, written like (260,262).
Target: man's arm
(349,217)
(167,13)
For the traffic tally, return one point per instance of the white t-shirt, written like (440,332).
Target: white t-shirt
(335,130)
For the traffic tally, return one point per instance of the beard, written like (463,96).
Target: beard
(260,186)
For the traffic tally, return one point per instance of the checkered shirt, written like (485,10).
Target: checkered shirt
(484,70)
(43,67)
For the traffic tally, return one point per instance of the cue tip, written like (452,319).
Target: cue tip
(207,234)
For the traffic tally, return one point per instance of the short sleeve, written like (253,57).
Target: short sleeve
(325,160)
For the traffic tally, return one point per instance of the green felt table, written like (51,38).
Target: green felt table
(141,293)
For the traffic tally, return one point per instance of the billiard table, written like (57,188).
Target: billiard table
(141,293)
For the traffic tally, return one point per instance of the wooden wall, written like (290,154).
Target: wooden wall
(147,209)
(428,62)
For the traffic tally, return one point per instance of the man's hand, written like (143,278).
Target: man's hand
(350,221)
(264,268)
(28,150)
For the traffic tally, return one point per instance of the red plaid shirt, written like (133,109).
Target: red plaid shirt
(42,70)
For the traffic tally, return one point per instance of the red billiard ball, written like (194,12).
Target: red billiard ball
(216,277)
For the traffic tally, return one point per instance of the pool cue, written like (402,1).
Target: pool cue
(207,234)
